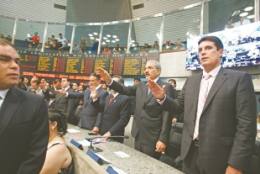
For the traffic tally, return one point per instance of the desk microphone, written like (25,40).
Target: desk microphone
(116,136)
(96,149)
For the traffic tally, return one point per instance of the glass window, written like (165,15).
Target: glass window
(229,14)
(29,35)
(178,25)
(6,27)
(114,39)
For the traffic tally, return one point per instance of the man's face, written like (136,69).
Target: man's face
(209,55)
(64,82)
(150,71)
(93,82)
(9,67)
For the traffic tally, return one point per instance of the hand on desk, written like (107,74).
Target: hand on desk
(160,147)
(107,135)
(95,130)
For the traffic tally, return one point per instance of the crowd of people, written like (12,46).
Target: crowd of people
(217,106)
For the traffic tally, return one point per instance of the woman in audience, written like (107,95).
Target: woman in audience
(58,158)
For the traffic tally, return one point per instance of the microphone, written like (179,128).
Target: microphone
(110,137)
(96,149)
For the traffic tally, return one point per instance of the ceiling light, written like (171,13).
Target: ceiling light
(243,14)
(108,41)
(117,39)
(92,38)
(90,35)
(249,8)
(105,38)
(114,36)
(113,41)
(251,17)
(108,35)
(97,39)
(95,33)
(103,43)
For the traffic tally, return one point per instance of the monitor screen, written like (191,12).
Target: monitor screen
(241,47)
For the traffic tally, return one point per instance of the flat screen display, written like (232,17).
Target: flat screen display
(241,47)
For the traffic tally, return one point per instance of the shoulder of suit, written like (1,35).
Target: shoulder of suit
(25,94)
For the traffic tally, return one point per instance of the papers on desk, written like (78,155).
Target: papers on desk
(71,130)
(121,154)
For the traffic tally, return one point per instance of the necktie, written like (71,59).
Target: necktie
(111,99)
(204,90)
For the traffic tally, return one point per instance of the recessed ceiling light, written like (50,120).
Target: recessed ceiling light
(108,41)
(113,41)
(104,38)
(249,8)
(90,34)
(243,14)
(114,36)
(92,38)
(108,35)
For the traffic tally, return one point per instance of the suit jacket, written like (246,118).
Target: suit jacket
(60,102)
(151,123)
(90,116)
(228,121)
(115,116)
(23,132)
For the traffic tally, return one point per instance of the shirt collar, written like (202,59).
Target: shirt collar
(213,73)
(3,93)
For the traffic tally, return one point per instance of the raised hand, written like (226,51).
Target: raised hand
(157,91)
(104,75)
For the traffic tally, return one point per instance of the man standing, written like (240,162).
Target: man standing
(219,115)
(23,120)
(115,113)
(151,124)
(90,117)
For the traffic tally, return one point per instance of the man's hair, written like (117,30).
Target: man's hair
(213,39)
(4,42)
(156,64)
(137,79)
(172,80)
(95,75)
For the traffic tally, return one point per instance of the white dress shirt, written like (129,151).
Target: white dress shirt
(206,83)
(2,96)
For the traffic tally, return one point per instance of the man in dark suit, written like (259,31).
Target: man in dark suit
(23,120)
(90,117)
(115,113)
(219,115)
(151,124)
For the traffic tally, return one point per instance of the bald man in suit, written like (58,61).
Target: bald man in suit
(219,115)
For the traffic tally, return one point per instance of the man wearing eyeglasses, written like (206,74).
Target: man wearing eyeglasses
(23,119)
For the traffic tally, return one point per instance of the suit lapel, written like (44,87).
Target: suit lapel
(9,106)
(194,98)
(220,79)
